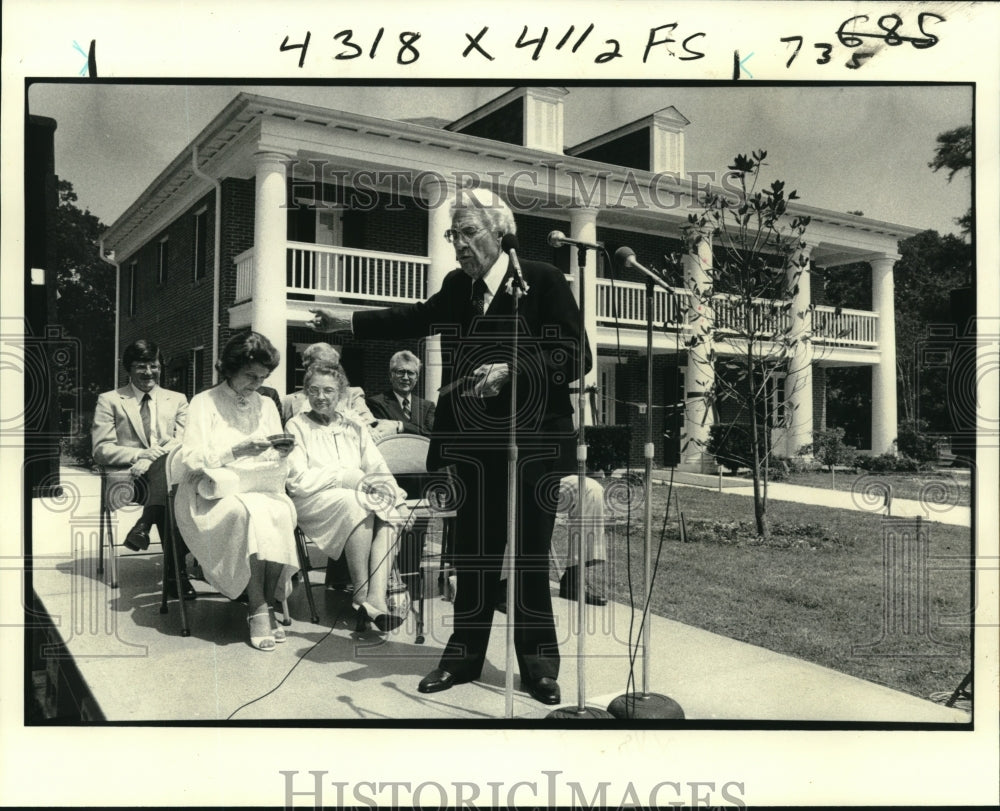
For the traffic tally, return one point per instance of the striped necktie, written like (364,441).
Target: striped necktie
(479,289)
(144,414)
(406,408)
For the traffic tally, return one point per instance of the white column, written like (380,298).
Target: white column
(439,195)
(699,376)
(270,233)
(884,372)
(799,381)
(583,226)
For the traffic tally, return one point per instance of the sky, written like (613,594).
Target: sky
(844,147)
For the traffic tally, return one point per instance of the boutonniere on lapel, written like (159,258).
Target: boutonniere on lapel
(516,282)
(521,290)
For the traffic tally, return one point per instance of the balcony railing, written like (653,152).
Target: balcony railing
(363,275)
(352,273)
(830,326)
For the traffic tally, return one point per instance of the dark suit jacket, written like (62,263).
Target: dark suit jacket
(385,406)
(548,330)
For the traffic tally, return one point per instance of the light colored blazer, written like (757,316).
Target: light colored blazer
(117,434)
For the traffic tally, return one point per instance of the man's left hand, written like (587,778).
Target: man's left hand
(490,378)
(140,467)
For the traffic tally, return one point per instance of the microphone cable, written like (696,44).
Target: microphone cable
(340,614)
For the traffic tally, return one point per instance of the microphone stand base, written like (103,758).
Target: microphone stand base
(575,713)
(636,706)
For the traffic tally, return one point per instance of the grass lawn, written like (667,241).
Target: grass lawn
(815,590)
(947,486)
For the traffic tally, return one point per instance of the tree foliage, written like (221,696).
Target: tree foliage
(929,268)
(954,153)
(85,286)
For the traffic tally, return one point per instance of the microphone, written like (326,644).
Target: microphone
(557,239)
(509,246)
(626,256)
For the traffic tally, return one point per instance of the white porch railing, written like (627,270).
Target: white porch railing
(343,272)
(830,326)
(389,277)
(629,300)
(839,327)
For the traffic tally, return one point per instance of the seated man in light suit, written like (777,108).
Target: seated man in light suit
(134,429)
(413,414)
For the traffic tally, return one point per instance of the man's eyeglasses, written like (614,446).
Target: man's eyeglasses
(467,234)
(145,367)
(312,391)
(404,372)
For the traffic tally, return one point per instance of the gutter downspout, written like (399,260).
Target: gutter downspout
(118,284)
(216,259)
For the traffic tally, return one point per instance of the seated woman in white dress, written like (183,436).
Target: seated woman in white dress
(231,505)
(346,498)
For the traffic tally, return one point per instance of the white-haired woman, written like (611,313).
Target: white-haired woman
(346,499)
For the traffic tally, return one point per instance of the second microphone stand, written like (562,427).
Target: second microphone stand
(581,710)
(647,704)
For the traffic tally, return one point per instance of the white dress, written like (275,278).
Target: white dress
(325,462)
(228,509)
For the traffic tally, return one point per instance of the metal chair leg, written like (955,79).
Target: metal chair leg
(304,567)
(169,540)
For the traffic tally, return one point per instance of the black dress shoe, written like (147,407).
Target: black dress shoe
(186,588)
(545,690)
(138,537)
(438,680)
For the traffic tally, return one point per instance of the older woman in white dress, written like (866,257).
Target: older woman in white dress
(346,499)
(231,505)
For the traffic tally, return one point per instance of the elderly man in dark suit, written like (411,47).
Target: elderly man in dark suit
(473,313)
(134,429)
(412,414)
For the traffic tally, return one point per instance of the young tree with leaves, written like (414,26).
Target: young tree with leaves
(758,260)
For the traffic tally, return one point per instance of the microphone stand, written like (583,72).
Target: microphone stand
(510,555)
(647,705)
(581,710)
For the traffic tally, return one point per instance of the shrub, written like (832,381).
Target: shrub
(78,448)
(888,463)
(608,446)
(829,449)
(730,445)
(779,468)
(914,442)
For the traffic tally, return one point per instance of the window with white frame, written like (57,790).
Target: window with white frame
(161,261)
(606,391)
(197,367)
(133,277)
(200,244)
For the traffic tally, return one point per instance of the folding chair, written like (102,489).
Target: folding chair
(304,568)
(406,457)
(170,531)
(117,491)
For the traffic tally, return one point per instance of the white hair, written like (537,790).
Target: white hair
(490,207)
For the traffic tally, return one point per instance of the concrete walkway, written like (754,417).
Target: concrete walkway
(121,647)
(867,497)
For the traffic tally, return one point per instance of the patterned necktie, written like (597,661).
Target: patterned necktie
(144,414)
(479,289)
(406,408)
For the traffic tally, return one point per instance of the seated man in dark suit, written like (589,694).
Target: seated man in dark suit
(413,414)
(134,429)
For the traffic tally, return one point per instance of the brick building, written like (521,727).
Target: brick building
(276,206)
